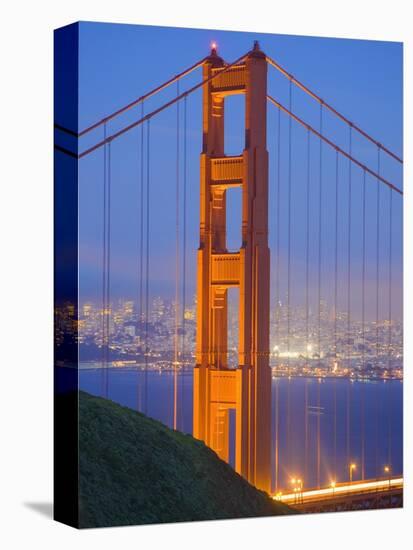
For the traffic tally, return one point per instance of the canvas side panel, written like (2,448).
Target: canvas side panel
(66,463)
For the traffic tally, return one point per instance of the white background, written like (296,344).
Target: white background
(26,280)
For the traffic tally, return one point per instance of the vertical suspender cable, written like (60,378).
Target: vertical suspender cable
(389,343)
(147,263)
(142,196)
(348,405)
(277,270)
(289,283)
(138,266)
(108,303)
(335,317)
(307,304)
(103,377)
(277,425)
(377,304)
(320,205)
(277,297)
(177,238)
(141,220)
(363,329)
(184,208)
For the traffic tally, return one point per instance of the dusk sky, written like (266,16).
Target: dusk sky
(361,79)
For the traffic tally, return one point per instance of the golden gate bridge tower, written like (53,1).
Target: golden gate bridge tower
(247,388)
(358,210)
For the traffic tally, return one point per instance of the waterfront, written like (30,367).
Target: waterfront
(319,426)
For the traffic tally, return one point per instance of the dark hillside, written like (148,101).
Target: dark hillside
(135,470)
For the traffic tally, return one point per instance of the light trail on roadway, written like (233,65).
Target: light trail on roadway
(339,490)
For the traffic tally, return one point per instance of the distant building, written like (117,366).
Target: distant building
(130,329)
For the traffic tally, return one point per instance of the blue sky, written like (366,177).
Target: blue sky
(362,79)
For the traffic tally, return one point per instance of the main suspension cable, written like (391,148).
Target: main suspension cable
(332,144)
(139,100)
(158,110)
(330,108)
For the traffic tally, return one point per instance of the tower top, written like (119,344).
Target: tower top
(256,50)
(213,57)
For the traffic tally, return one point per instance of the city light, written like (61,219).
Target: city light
(127,340)
(290,354)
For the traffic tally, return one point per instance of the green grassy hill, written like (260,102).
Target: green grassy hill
(135,470)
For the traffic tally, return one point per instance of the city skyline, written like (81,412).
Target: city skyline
(126,328)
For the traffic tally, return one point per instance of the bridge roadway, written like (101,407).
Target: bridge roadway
(367,494)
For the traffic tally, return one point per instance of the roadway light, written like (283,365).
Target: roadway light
(387,470)
(298,487)
(333,485)
(352,467)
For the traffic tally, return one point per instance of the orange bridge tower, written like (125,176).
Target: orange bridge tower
(247,388)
